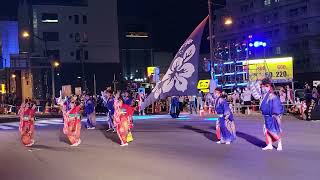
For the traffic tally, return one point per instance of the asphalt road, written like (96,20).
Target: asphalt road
(164,149)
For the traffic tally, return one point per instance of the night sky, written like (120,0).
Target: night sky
(173,20)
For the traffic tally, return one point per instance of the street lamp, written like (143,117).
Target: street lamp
(54,64)
(228,21)
(25,34)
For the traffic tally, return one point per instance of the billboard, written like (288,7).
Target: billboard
(278,69)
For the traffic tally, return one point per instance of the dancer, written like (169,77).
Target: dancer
(108,101)
(72,119)
(26,127)
(225,127)
(174,107)
(90,112)
(272,111)
(122,119)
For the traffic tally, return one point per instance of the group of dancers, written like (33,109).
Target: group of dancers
(120,114)
(271,109)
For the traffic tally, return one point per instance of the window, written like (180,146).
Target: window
(304,28)
(50,18)
(303,9)
(76,19)
(293,12)
(86,55)
(305,44)
(71,36)
(85,19)
(72,53)
(70,18)
(51,36)
(278,50)
(78,54)
(77,37)
(276,32)
(276,1)
(53,54)
(267,2)
(275,15)
(85,37)
(267,19)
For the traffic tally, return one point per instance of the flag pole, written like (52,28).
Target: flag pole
(211,36)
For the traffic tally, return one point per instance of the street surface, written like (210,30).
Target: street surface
(163,149)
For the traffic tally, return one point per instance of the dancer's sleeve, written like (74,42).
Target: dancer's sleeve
(277,107)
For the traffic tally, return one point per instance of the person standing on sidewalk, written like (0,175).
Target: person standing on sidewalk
(272,111)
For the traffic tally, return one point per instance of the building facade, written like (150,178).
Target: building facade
(288,27)
(82,36)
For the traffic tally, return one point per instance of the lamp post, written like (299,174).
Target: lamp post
(211,39)
(26,35)
(54,64)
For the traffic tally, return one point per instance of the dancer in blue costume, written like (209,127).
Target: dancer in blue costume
(225,127)
(272,111)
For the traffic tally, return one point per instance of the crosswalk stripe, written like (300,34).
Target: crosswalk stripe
(41,125)
(6,127)
(13,124)
(49,122)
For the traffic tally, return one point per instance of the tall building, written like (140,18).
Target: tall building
(289,28)
(82,35)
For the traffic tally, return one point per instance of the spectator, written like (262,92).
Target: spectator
(246,98)
(282,94)
(290,95)
(315,94)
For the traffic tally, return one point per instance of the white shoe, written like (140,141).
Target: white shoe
(109,129)
(279,148)
(268,147)
(91,127)
(218,142)
(126,144)
(228,143)
(114,130)
(77,143)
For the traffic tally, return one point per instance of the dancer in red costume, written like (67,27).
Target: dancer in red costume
(122,117)
(26,127)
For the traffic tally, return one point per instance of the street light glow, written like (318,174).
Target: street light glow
(228,21)
(56,64)
(13,76)
(25,34)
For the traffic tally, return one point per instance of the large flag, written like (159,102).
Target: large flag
(182,76)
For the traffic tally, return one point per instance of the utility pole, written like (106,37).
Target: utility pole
(211,38)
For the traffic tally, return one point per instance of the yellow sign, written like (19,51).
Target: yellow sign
(151,71)
(3,89)
(278,69)
(204,84)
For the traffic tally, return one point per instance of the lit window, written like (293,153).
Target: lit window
(137,35)
(276,1)
(267,2)
(50,18)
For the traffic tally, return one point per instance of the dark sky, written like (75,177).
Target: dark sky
(172,20)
